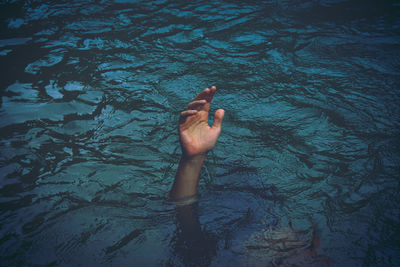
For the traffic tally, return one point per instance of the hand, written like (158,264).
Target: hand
(196,136)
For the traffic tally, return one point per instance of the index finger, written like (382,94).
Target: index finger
(206,94)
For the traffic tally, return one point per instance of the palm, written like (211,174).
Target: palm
(196,136)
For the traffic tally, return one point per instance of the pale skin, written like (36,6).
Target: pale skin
(196,138)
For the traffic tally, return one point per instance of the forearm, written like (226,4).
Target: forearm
(187,177)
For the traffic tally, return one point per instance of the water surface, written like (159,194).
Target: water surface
(306,170)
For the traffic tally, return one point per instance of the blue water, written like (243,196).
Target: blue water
(305,173)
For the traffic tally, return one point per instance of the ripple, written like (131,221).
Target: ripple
(307,158)
(48,61)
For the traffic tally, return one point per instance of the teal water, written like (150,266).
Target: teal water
(306,170)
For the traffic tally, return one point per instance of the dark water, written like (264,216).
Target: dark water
(306,170)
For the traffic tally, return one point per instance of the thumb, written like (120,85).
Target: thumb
(218,118)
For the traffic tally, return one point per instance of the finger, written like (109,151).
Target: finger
(213,89)
(197,103)
(187,113)
(203,94)
(206,94)
(218,118)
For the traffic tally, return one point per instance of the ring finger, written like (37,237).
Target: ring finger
(196,104)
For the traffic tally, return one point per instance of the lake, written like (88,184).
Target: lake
(306,171)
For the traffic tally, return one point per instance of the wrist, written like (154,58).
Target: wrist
(187,176)
(193,159)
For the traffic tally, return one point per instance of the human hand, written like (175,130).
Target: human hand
(196,136)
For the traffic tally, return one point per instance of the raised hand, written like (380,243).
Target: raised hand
(196,136)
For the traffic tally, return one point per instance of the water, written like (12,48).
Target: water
(306,170)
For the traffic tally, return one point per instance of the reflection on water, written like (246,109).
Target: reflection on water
(307,167)
(193,245)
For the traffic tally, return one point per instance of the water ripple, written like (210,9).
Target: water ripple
(308,157)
